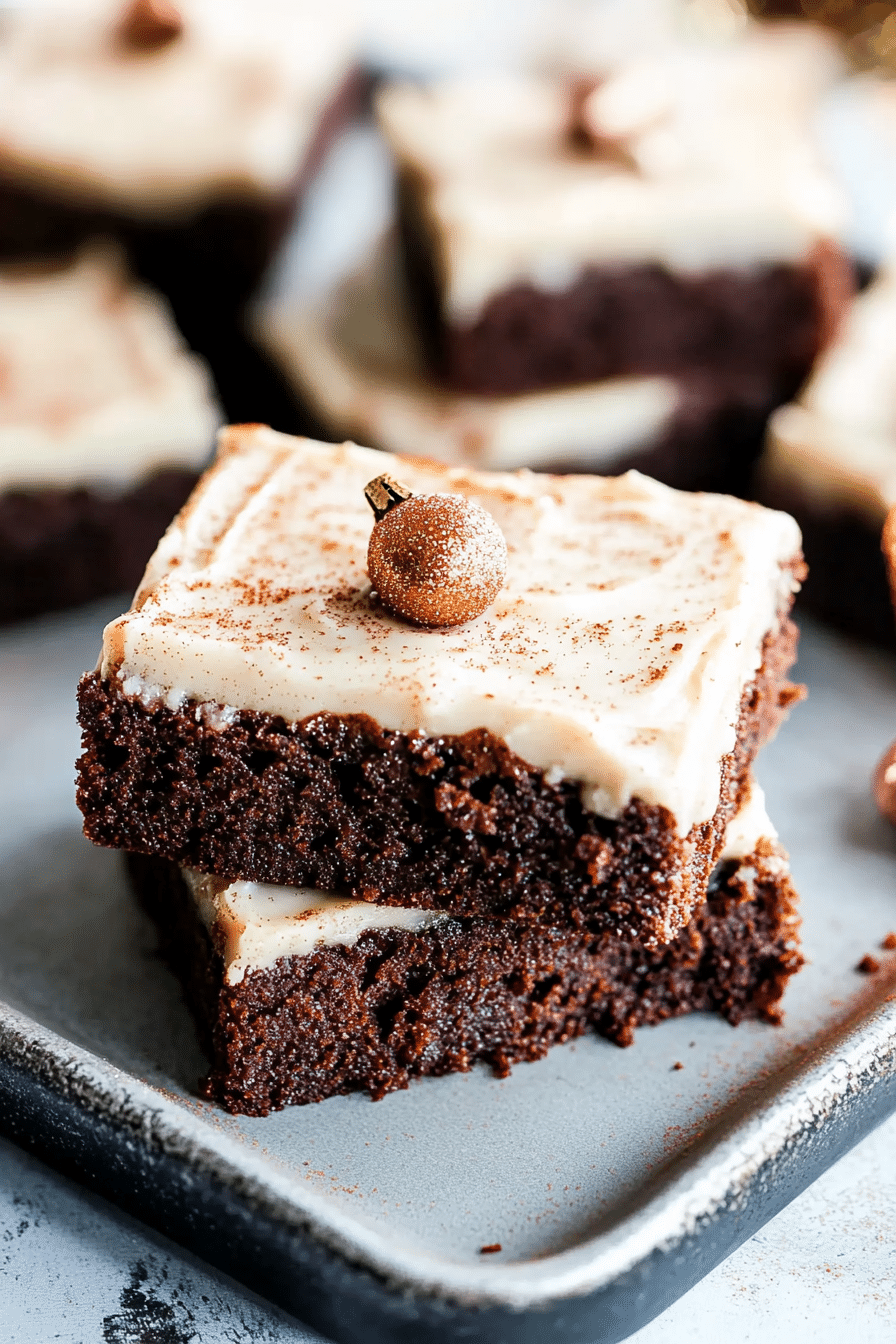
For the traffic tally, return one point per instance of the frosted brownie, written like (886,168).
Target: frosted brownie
(676,217)
(831,460)
(354,358)
(573,755)
(300,996)
(187,126)
(105,422)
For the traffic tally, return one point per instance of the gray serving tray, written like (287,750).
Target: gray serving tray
(612,1180)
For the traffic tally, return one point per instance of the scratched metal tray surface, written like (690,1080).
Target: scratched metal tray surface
(611,1179)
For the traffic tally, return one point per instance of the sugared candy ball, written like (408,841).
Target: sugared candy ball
(437,559)
(885,785)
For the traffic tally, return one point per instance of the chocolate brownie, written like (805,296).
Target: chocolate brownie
(299,997)
(190,134)
(829,460)
(105,421)
(354,358)
(677,217)
(62,547)
(574,755)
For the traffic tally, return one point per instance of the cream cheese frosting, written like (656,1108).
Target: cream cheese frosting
(354,355)
(229,107)
(255,924)
(723,167)
(838,442)
(632,619)
(98,388)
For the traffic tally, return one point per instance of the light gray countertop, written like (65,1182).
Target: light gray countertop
(75,1269)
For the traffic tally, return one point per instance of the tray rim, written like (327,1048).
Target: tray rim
(714,1181)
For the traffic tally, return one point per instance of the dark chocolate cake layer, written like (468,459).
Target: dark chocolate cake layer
(59,548)
(769,321)
(451,823)
(398,1005)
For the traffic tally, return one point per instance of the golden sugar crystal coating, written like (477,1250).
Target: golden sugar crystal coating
(437,560)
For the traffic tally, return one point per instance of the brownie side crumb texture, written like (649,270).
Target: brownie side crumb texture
(59,548)
(454,823)
(613,320)
(399,1005)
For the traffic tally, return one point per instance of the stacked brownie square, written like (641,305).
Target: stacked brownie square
(377,850)
(630,269)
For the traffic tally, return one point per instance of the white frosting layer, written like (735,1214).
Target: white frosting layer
(355,357)
(632,618)
(255,924)
(838,443)
(258,924)
(749,826)
(228,107)
(97,385)
(725,171)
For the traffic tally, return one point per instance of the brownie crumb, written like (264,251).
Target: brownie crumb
(677,1065)
(490,1249)
(868,965)
(889,943)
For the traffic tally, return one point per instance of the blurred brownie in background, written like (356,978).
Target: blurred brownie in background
(830,460)
(189,129)
(355,360)
(673,218)
(105,420)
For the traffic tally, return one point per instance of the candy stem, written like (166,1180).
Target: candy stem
(385,493)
